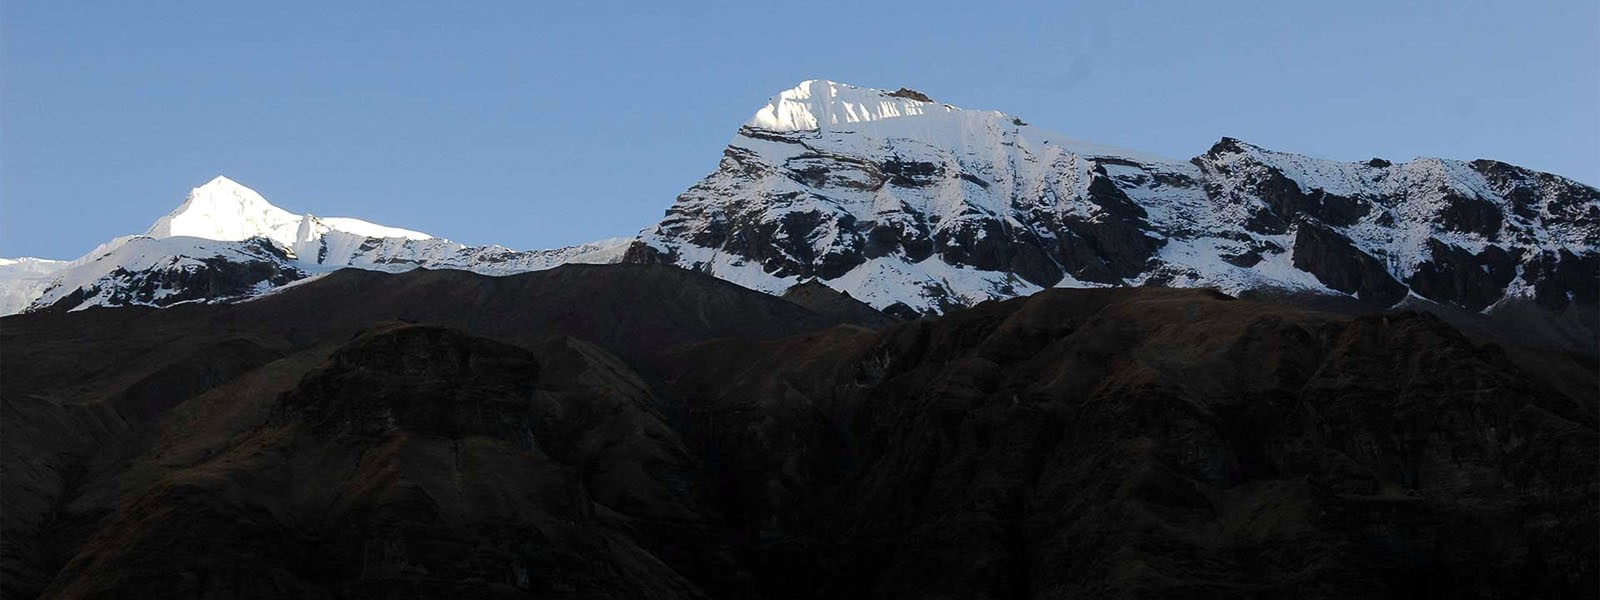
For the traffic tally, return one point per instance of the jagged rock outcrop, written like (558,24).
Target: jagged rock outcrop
(1338,263)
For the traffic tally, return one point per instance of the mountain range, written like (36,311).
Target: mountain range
(225,242)
(916,207)
(889,348)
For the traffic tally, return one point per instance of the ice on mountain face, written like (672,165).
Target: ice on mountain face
(363,228)
(902,201)
(339,249)
(222,209)
(24,279)
(818,104)
(30,265)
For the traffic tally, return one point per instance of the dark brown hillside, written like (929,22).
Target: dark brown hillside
(1148,443)
(642,431)
(838,305)
(417,461)
(83,390)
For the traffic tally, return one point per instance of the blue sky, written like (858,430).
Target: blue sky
(542,124)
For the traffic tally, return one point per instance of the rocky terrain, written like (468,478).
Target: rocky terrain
(648,431)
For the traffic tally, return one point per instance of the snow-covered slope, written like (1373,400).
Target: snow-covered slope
(818,104)
(226,242)
(151,271)
(916,206)
(23,279)
(224,210)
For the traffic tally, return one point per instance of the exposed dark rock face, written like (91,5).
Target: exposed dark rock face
(786,245)
(1563,278)
(211,278)
(1471,215)
(911,173)
(1282,197)
(982,241)
(1340,265)
(1458,277)
(1114,247)
(912,94)
(1544,199)
(904,232)
(633,431)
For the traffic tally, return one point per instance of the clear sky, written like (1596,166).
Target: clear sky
(539,124)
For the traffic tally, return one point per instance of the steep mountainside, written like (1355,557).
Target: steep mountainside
(915,207)
(647,431)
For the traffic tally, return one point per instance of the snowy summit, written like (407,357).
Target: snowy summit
(227,242)
(822,104)
(222,209)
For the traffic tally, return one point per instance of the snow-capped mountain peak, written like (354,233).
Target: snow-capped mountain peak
(225,210)
(821,104)
(222,209)
(225,241)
